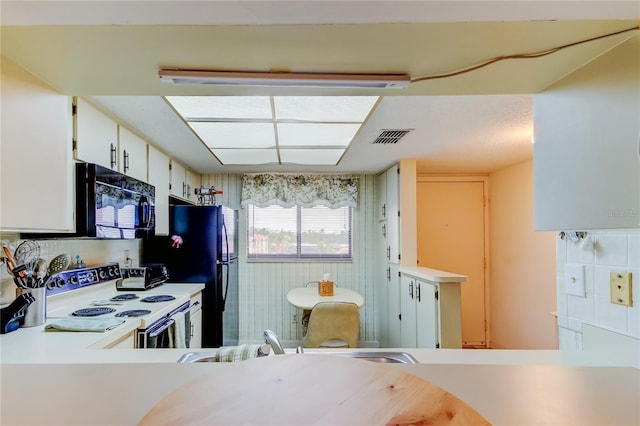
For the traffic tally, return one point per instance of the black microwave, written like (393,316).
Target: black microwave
(112,205)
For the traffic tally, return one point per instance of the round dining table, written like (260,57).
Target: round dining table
(307,297)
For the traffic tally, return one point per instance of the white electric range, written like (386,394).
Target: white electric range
(84,294)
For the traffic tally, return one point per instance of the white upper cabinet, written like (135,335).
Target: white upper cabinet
(133,154)
(393,218)
(587,146)
(381,197)
(184,182)
(96,136)
(36,171)
(160,178)
(178,182)
(193,181)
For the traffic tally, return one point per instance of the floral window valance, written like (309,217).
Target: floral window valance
(263,190)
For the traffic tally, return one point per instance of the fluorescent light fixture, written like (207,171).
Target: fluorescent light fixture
(285,79)
(272,130)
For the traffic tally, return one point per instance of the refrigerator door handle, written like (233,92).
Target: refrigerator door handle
(226,286)
(225,262)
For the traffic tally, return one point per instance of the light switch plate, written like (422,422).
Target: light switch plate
(620,288)
(574,280)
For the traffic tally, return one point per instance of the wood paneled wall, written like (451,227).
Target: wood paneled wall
(263,286)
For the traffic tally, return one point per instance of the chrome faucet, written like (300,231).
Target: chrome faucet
(271,338)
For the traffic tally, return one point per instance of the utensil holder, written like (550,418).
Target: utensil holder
(36,313)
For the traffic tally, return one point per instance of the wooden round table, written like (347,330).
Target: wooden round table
(310,390)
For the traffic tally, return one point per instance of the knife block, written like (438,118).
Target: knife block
(325,288)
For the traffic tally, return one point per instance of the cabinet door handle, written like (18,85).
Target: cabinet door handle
(388,252)
(384,231)
(113,156)
(184,189)
(388,273)
(418,292)
(411,289)
(125,161)
(384,210)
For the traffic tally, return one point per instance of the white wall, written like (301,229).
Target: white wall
(263,286)
(522,279)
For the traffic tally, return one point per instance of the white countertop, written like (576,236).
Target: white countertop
(77,384)
(433,275)
(34,345)
(121,394)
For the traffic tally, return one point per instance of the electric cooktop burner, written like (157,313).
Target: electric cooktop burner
(134,313)
(120,297)
(92,312)
(158,298)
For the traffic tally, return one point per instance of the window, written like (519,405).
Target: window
(306,233)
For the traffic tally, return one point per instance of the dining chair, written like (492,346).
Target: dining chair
(333,325)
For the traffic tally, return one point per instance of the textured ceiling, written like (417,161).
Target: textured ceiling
(111,51)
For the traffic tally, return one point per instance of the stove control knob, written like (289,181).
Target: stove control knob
(60,282)
(103,274)
(74,279)
(112,273)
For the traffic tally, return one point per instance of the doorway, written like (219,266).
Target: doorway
(452,225)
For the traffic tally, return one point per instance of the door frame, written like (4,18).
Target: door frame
(484,179)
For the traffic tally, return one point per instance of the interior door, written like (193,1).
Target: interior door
(451,238)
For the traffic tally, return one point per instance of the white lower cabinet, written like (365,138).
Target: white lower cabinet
(408,326)
(393,307)
(427,335)
(196,322)
(424,323)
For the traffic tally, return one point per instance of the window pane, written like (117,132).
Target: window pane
(298,233)
(324,230)
(272,230)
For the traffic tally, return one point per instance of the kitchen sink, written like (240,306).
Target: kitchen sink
(380,357)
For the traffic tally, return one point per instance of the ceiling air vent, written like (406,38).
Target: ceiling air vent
(390,136)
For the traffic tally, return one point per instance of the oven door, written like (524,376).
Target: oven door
(172,331)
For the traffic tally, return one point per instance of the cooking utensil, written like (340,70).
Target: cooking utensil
(27,253)
(58,264)
(41,268)
(8,320)
(19,275)
(11,261)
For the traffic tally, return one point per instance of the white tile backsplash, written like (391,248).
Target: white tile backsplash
(581,308)
(634,251)
(613,251)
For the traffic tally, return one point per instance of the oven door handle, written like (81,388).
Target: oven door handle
(191,307)
(161,328)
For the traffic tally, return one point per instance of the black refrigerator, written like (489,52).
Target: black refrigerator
(202,248)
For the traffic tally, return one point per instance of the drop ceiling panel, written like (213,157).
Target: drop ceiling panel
(328,157)
(328,108)
(247,156)
(246,107)
(314,134)
(235,135)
